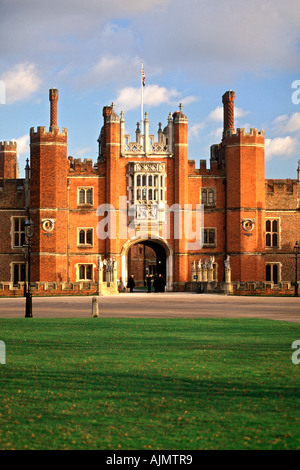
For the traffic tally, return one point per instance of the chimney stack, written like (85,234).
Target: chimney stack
(228,110)
(53,97)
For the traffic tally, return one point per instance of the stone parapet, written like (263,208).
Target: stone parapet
(39,289)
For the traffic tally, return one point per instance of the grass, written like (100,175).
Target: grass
(149,384)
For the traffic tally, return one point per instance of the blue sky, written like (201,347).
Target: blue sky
(193,51)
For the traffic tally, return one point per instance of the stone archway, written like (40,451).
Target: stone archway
(164,254)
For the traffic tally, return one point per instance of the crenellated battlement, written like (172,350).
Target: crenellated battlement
(241,132)
(287,186)
(76,165)
(41,131)
(213,170)
(9,168)
(8,146)
(282,193)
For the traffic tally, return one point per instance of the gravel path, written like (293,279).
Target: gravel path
(158,305)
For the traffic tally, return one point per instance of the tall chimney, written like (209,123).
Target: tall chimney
(228,110)
(53,97)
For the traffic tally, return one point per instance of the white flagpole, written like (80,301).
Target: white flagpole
(142,98)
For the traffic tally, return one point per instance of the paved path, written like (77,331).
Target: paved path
(158,305)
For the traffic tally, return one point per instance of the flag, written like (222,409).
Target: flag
(143,76)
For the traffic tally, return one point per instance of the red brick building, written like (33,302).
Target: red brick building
(141,205)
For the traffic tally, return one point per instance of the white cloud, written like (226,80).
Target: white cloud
(153,95)
(216,116)
(244,34)
(22,145)
(287,124)
(111,69)
(217,113)
(108,66)
(21,82)
(281,147)
(83,151)
(214,41)
(195,129)
(216,134)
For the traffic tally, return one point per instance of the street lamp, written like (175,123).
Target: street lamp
(29,232)
(296,251)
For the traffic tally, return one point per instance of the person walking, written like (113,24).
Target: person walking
(131,283)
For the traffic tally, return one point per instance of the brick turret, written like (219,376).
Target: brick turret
(48,197)
(8,160)
(112,155)
(180,130)
(245,197)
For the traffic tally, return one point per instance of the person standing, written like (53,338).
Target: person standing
(161,283)
(149,282)
(131,283)
(155,284)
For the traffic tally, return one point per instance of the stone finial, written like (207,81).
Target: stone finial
(179,116)
(113,117)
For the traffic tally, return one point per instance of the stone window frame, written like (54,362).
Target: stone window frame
(147,191)
(86,189)
(19,232)
(208,191)
(85,230)
(84,268)
(270,234)
(19,264)
(215,272)
(148,187)
(207,230)
(272,264)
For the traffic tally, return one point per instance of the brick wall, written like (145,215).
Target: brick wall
(236,175)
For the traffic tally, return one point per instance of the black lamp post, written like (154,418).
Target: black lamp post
(29,232)
(296,251)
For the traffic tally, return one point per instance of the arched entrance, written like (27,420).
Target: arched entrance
(147,256)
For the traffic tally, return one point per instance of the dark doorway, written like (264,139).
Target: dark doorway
(146,258)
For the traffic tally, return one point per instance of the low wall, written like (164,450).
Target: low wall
(7,289)
(91,288)
(242,288)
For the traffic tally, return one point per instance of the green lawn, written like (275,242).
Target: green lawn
(155,384)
